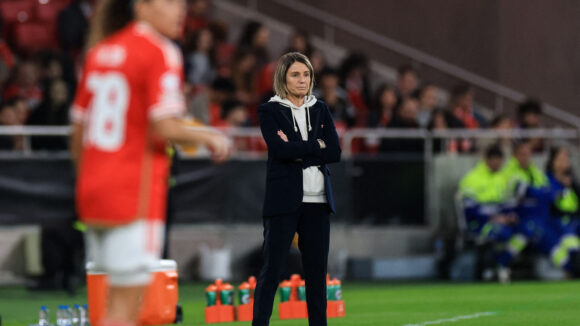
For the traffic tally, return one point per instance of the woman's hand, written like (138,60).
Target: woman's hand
(283,136)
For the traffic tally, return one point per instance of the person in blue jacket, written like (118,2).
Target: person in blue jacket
(536,196)
(302,141)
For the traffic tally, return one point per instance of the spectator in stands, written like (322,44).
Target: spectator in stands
(200,57)
(7,58)
(233,114)
(53,111)
(500,123)
(354,74)
(300,42)
(407,81)
(462,107)
(335,97)
(255,37)
(384,104)
(488,217)
(427,96)
(224,50)
(73,25)
(56,66)
(206,106)
(529,115)
(197,15)
(442,120)
(405,117)
(26,84)
(243,74)
(318,61)
(9,117)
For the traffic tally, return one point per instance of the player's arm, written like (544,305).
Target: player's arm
(174,131)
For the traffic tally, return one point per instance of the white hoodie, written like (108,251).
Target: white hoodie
(312,177)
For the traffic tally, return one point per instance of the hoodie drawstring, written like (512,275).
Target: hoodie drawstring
(308,113)
(296,123)
(294,120)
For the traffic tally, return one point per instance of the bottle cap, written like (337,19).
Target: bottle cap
(77,306)
(62,306)
(43,308)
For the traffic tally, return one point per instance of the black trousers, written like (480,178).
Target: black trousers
(312,223)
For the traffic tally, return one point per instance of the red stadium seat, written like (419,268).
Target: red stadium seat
(17,10)
(48,10)
(31,37)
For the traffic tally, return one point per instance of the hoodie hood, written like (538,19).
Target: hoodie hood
(309,101)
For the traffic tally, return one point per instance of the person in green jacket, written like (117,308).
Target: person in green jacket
(489,215)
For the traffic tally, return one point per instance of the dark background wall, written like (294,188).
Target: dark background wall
(530,45)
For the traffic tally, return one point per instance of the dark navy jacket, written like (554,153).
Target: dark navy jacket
(284,189)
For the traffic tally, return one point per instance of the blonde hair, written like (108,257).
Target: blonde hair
(282,69)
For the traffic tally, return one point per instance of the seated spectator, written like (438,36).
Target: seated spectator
(407,81)
(26,84)
(53,111)
(224,50)
(206,106)
(405,117)
(318,62)
(243,74)
(233,114)
(488,215)
(197,15)
(73,25)
(299,42)
(200,58)
(7,57)
(384,103)
(462,107)
(442,120)
(335,97)
(354,74)
(529,115)
(427,96)
(9,117)
(499,123)
(255,37)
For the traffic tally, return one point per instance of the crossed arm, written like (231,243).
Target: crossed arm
(311,152)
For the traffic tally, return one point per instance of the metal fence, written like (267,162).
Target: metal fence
(431,203)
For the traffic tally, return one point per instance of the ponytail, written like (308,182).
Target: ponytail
(110,17)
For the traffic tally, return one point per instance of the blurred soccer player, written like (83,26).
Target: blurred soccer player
(126,109)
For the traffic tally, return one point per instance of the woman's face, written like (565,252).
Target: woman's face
(561,161)
(205,41)
(262,37)
(429,98)
(439,121)
(166,16)
(298,80)
(58,93)
(388,99)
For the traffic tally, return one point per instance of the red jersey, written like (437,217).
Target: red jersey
(129,80)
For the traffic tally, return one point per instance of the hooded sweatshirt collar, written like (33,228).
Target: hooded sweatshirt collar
(309,101)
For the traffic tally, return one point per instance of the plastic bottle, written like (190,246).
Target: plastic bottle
(75,315)
(43,316)
(63,316)
(84,315)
